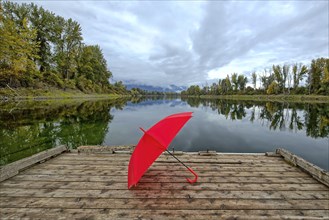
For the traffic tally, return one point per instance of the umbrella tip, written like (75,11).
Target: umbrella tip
(142,129)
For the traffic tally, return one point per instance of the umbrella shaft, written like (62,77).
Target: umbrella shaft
(177,159)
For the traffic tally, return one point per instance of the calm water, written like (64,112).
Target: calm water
(221,125)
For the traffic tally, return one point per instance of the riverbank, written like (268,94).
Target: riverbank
(290,98)
(52,93)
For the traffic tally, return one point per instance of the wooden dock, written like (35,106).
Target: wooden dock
(93,185)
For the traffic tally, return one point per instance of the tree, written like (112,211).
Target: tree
(67,49)
(92,66)
(325,79)
(214,89)
(38,46)
(273,88)
(242,81)
(44,22)
(17,50)
(281,74)
(316,73)
(285,72)
(298,71)
(267,80)
(254,79)
(194,90)
(227,85)
(234,80)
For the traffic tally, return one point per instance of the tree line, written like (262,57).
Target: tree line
(39,49)
(280,79)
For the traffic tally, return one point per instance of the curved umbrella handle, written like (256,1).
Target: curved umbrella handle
(195,176)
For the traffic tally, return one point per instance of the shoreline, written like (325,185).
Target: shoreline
(58,94)
(52,94)
(279,98)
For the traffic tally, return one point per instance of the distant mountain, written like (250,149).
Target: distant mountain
(170,88)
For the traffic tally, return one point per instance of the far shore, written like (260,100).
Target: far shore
(285,98)
(53,94)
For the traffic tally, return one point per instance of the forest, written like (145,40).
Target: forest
(280,79)
(39,49)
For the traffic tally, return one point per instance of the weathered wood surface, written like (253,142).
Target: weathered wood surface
(313,170)
(94,186)
(13,169)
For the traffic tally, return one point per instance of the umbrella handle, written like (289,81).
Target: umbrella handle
(195,176)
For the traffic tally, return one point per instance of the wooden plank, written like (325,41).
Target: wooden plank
(207,153)
(191,163)
(35,171)
(165,155)
(111,185)
(184,154)
(111,157)
(318,173)
(160,204)
(173,179)
(93,186)
(60,213)
(272,154)
(177,168)
(14,168)
(169,194)
(172,163)
(169,166)
(104,149)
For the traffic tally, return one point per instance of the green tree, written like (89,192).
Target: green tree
(325,79)
(280,74)
(298,71)
(254,79)
(92,66)
(44,22)
(266,80)
(234,80)
(36,45)
(226,85)
(17,50)
(194,90)
(317,74)
(242,82)
(67,49)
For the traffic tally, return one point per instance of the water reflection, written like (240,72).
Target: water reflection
(222,125)
(28,128)
(314,118)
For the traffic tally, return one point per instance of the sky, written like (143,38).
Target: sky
(182,43)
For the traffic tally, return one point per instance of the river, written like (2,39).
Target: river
(217,124)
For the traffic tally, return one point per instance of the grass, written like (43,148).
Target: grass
(52,93)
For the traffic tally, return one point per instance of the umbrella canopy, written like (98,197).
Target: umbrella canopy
(153,143)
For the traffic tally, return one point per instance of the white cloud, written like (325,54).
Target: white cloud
(183,43)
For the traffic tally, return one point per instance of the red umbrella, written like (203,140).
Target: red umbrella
(155,141)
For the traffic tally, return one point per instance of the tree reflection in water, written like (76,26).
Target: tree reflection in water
(313,117)
(41,125)
(30,127)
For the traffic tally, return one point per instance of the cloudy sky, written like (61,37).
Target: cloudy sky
(183,43)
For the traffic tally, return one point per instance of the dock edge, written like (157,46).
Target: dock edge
(316,172)
(13,169)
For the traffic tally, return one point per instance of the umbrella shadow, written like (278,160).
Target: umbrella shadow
(161,180)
